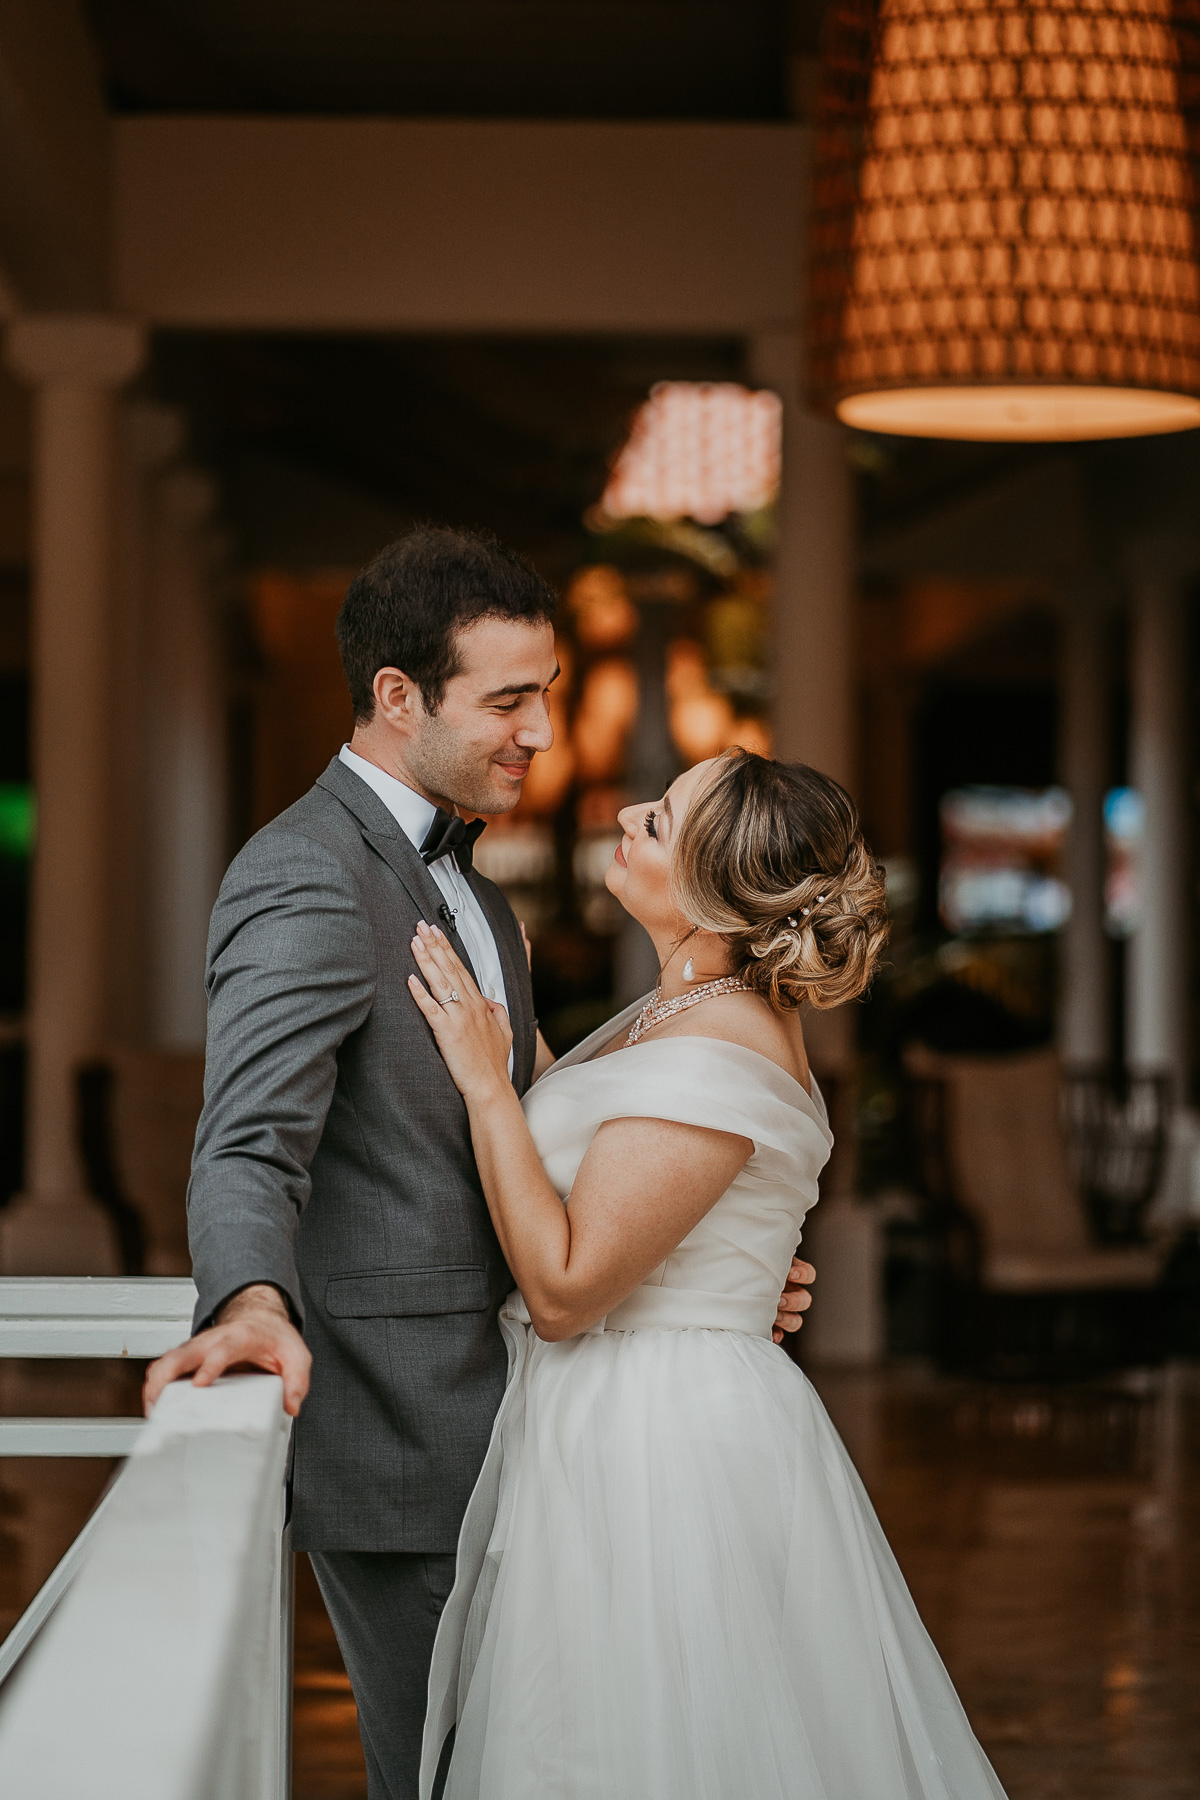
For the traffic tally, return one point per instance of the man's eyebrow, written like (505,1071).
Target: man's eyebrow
(520,687)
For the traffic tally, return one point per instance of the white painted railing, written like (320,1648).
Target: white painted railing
(155,1664)
(84,1315)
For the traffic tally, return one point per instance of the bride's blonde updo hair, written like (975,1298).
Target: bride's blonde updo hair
(771,857)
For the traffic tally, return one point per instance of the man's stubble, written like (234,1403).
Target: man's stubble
(451,766)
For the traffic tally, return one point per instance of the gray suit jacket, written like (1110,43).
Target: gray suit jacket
(333,1158)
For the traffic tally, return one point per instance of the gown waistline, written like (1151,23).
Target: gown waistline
(675,1309)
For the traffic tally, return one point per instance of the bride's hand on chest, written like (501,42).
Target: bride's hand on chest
(473,1034)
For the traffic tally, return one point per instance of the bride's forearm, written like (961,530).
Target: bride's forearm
(641,1187)
(531,1221)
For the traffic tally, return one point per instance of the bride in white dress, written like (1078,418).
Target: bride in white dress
(671,1584)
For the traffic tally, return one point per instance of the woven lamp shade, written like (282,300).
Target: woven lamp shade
(1005,230)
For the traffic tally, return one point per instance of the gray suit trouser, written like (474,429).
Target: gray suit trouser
(384,1606)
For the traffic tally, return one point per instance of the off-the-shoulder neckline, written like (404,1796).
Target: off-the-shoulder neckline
(692,1037)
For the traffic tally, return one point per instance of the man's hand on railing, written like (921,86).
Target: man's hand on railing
(254,1330)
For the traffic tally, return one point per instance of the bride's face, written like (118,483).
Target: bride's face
(639,872)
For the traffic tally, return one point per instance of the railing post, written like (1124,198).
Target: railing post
(269,1711)
(287,1639)
(173,1639)
(204,1487)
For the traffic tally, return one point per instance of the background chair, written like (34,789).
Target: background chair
(1028,1291)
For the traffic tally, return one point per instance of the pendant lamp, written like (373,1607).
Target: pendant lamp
(1005,238)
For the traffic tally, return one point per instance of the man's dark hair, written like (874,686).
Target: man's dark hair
(406,609)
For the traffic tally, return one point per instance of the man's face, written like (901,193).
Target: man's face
(477,747)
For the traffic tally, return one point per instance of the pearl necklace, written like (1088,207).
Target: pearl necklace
(657,1009)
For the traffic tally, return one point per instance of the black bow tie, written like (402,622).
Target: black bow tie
(450,836)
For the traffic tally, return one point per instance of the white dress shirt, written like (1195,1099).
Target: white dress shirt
(414,815)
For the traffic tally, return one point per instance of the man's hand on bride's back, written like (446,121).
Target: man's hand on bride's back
(254,1330)
(795,1299)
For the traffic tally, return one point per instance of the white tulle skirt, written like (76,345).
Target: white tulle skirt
(672,1586)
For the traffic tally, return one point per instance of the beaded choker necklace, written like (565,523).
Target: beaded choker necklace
(657,1009)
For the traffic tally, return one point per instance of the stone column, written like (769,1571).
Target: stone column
(813,671)
(814,574)
(1157,959)
(75,365)
(1083,1031)
(1157,963)
(185,711)
(150,437)
(813,722)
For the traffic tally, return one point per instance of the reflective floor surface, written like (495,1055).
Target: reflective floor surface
(1051,1538)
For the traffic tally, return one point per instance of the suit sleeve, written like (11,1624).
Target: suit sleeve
(291,974)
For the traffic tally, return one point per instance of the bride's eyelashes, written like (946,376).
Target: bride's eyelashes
(651,826)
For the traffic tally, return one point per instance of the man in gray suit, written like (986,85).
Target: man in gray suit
(339,1232)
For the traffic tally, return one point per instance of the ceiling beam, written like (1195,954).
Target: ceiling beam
(404,225)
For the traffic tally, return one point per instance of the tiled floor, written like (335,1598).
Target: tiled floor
(327,1756)
(1051,1538)
(1051,1541)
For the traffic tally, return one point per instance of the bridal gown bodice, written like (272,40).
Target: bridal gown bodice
(671,1584)
(727,1273)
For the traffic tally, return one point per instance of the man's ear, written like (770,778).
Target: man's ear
(397,698)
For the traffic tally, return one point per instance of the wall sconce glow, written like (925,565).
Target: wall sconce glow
(698,450)
(1000,863)
(1004,236)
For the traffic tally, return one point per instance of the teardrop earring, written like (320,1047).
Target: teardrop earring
(689,970)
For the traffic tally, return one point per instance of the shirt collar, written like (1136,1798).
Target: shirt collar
(412,813)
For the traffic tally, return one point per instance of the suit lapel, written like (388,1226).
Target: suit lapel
(428,898)
(498,914)
(385,837)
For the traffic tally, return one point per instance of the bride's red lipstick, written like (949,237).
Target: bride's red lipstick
(619,854)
